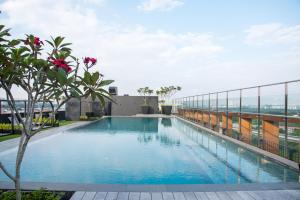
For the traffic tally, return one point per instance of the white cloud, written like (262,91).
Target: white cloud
(161,5)
(273,33)
(133,56)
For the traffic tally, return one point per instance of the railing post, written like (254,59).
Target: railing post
(258,117)
(79,107)
(227,112)
(24,114)
(193,106)
(202,109)
(209,126)
(240,114)
(286,120)
(217,112)
(193,101)
(12,121)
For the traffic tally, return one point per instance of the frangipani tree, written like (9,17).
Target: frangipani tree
(51,76)
(144,92)
(165,93)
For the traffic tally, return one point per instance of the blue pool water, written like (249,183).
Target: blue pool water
(143,151)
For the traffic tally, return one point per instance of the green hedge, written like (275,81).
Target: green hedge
(7,128)
(47,121)
(35,195)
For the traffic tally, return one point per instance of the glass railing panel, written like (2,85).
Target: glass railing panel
(272,100)
(294,99)
(4,107)
(213,102)
(234,109)
(250,100)
(206,102)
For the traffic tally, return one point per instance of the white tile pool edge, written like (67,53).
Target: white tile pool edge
(274,157)
(151,187)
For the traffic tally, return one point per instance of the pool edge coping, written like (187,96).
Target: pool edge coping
(151,187)
(272,156)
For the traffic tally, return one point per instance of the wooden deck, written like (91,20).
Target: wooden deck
(224,195)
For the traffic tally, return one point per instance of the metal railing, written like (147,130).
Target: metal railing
(266,116)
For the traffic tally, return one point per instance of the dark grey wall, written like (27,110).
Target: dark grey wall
(125,105)
(131,105)
(73,109)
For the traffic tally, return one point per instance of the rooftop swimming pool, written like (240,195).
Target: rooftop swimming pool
(131,150)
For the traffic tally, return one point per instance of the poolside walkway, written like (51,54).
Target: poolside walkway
(224,195)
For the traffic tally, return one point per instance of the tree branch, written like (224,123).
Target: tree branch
(12,105)
(6,172)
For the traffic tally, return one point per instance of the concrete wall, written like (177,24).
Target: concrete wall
(73,109)
(125,105)
(131,105)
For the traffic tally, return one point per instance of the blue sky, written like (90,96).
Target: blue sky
(200,45)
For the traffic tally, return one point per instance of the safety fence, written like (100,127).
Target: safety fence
(265,116)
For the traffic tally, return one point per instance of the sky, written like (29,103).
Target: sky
(202,46)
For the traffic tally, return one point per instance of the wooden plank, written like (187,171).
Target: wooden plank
(286,194)
(145,196)
(246,129)
(178,196)
(190,196)
(77,195)
(271,136)
(89,196)
(167,196)
(100,196)
(235,196)
(134,195)
(255,195)
(245,195)
(201,196)
(123,196)
(212,196)
(294,193)
(156,196)
(223,196)
(111,196)
(270,194)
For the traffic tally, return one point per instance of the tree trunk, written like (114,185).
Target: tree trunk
(19,160)
(18,187)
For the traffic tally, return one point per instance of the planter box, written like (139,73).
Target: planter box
(90,114)
(145,109)
(166,110)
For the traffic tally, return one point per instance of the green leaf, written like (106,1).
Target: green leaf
(58,40)
(50,43)
(95,77)
(14,42)
(65,44)
(105,82)
(101,99)
(51,74)
(61,76)
(87,77)
(93,96)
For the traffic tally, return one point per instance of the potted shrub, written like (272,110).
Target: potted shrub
(145,108)
(165,94)
(89,114)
